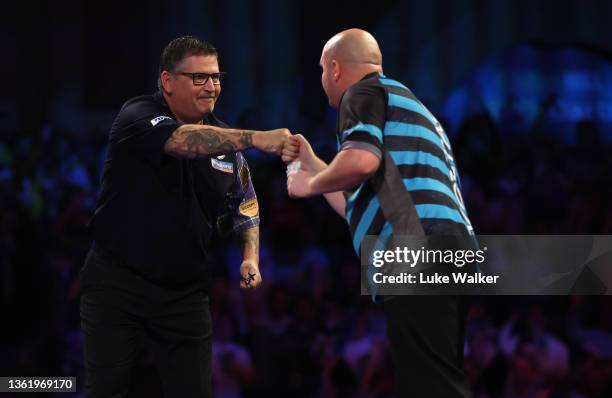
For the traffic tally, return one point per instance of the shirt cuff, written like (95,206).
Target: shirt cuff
(362,145)
(246,223)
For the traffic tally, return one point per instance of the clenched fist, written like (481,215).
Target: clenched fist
(271,141)
(297,148)
(251,278)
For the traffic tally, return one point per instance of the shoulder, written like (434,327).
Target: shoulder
(141,115)
(370,87)
(140,102)
(143,108)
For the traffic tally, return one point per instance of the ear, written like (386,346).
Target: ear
(335,65)
(166,81)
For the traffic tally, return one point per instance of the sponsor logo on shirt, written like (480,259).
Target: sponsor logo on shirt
(250,208)
(226,167)
(158,119)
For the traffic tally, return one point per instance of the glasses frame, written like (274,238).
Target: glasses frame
(208,76)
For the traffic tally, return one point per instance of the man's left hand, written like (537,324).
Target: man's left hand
(299,184)
(251,278)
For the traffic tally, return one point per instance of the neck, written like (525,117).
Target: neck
(366,69)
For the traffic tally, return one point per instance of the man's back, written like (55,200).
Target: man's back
(417,173)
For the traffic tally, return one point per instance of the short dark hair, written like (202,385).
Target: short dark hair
(181,48)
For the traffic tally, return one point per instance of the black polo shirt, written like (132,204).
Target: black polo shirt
(156,213)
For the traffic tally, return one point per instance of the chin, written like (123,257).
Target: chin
(206,110)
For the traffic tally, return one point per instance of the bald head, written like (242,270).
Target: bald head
(353,46)
(346,59)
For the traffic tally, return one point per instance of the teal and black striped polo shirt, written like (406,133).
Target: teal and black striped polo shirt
(417,175)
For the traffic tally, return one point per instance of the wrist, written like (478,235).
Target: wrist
(319,165)
(314,165)
(311,187)
(251,261)
(256,139)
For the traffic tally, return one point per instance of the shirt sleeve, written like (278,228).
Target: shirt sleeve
(143,130)
(361,118)
(246,213)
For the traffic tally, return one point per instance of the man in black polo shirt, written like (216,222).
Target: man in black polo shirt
(173,174)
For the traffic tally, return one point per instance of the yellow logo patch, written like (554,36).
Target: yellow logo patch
(250,208)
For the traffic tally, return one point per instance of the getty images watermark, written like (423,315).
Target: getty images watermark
(487,264)
(412,258)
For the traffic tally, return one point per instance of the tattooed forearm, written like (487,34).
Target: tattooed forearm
(250,243)
(191,142)
(210,142)
(246,138)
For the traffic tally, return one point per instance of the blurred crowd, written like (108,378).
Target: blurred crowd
(308,332)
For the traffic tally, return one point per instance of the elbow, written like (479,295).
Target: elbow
(362,164)
(342,212)
(361,171)
(171,147)
(176,147)
(177,150)
(366,168)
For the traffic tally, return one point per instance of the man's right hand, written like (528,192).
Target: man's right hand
(297,148)
(271,141)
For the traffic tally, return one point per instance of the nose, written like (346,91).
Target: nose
(209,85)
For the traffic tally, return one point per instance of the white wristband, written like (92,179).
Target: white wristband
(293,167)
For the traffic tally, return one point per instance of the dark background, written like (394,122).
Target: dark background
(523,88)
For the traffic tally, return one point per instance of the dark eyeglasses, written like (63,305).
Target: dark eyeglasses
(200,78)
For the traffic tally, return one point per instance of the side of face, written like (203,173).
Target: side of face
(329,79)
(190,103)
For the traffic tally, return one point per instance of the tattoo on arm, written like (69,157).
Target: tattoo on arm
(246,138)
(250,241)
(205,141)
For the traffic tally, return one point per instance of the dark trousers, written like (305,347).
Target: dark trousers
(119,309)
(426,335)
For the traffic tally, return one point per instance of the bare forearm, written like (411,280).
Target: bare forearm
(316,165)
(193,140)
(327,183)
(337,201)
(250,244)
(348,169)
(249,269)
(336,179)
